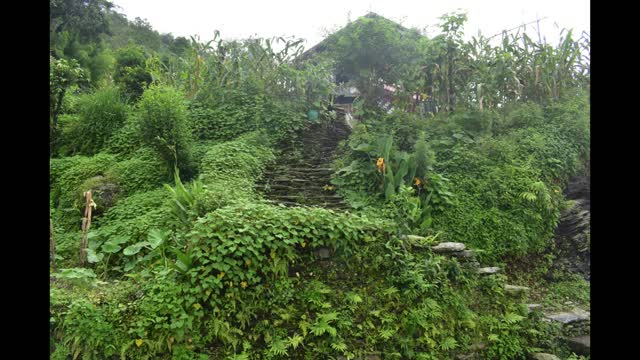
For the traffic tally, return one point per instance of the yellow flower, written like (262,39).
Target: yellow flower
(139,342)
(244,284)
(381,165)
(417,182)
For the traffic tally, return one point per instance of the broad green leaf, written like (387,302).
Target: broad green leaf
(92,257)
(111,248)
(156,237)
(118,240)
(135,248)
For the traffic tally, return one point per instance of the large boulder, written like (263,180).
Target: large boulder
(104,192)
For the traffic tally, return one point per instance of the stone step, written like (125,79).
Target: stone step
(465,255)
(543,356)
(295,188)
(448,247)
(303,170)
(470,263)
(580,345)
(332,206)
(568,317)
(515,289)
(290,180)
(287,175)
(488,270)
(413,238)
(534,307)
(298,192)
(319,188)
(315,197)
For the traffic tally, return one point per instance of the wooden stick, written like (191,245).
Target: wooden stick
(86,225)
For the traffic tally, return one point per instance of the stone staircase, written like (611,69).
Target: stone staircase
(301,176)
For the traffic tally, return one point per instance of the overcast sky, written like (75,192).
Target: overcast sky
(310,20)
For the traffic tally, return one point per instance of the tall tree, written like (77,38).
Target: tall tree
(85,18)
(63,75)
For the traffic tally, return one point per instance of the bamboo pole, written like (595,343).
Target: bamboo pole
(86,225)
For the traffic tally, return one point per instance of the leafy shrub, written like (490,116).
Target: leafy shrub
(134,216)
(126,140)
(224,121)
(68,134)
(238,113)
(491,212)
(88,331)
(474,121)
(245,157)
(74,310)
(143,172)
(509,185)
(130,71)
(524,115)
(127,223)
(101,114)
(163,126)
(248,236)
(230,170)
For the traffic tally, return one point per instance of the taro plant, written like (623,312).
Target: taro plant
(159,247)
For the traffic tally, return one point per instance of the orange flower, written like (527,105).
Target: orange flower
(381,165)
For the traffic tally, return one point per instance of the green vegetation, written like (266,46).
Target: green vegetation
(186,260)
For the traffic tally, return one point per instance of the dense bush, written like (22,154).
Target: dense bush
(238,112)
(224,120)
(245,157)
(143,172)
(245,251)
(230,170)
(254,269)
(504,189)
(134,216)
(130,71)
(163,125)
(101,114)
(509,186)
(128,139)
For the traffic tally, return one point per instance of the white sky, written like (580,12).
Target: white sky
(310,19)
